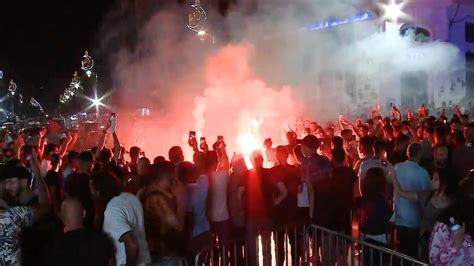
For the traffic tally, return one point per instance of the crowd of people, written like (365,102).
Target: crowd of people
(405,179)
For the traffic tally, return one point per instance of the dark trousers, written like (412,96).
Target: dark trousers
(222,230)
(254,228)
(407,238)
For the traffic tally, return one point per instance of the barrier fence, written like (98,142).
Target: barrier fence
(304,245)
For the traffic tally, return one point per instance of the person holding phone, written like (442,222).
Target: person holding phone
(452,238)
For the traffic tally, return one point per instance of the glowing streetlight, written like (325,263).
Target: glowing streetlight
(201,35)
(393,10)
(97,102)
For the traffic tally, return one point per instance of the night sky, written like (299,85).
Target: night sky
(42,43)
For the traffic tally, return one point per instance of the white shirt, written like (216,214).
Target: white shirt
(270,159)
(45,167)
(123,214)
(219,211)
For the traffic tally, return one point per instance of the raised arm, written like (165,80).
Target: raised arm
(100,144)
(117,147)
(43,207)
(65,146)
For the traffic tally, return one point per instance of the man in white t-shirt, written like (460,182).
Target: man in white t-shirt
(123,221)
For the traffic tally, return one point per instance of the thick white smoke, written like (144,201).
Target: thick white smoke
(262,72)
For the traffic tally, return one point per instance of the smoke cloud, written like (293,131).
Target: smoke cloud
(262,72)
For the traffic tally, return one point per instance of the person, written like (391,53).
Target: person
(176,155)
(15,219)
(134,156)
(411,177)
(80,245)
(55,183)
(17,187)
(201,237)
(123,220)
(164,220)
(292,141)
(316,175)
(256,191)
(463,158)
(86,162)
(400,153)
(238,172)
(337,142)
(316,171)
(441,156)
(286,181)
(379,160)
(450,245)
(218,169)
(342,182)
(432,203)
(269,155)
(374,213)
(49,150)
(143,176)
(72,164)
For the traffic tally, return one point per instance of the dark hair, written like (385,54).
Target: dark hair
(338,155)
(134,151)
(105,155)
(367,143)
(48,149)
(72,155)
(467,185)
(374,182)
(19,172)
(338,142)
(108,186)
(447,182)
(161,170)
(402,139)
(346,132)
(414,150)
(86,156)
(187,173)
(159,159)
(379,146)
(175,154)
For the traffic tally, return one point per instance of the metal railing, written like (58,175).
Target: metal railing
(306,245)
(327,247)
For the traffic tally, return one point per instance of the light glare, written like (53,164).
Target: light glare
(393,11)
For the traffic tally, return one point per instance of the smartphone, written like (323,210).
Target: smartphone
(192,138)
(454,225)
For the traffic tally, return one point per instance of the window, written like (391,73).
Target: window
(469,32)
